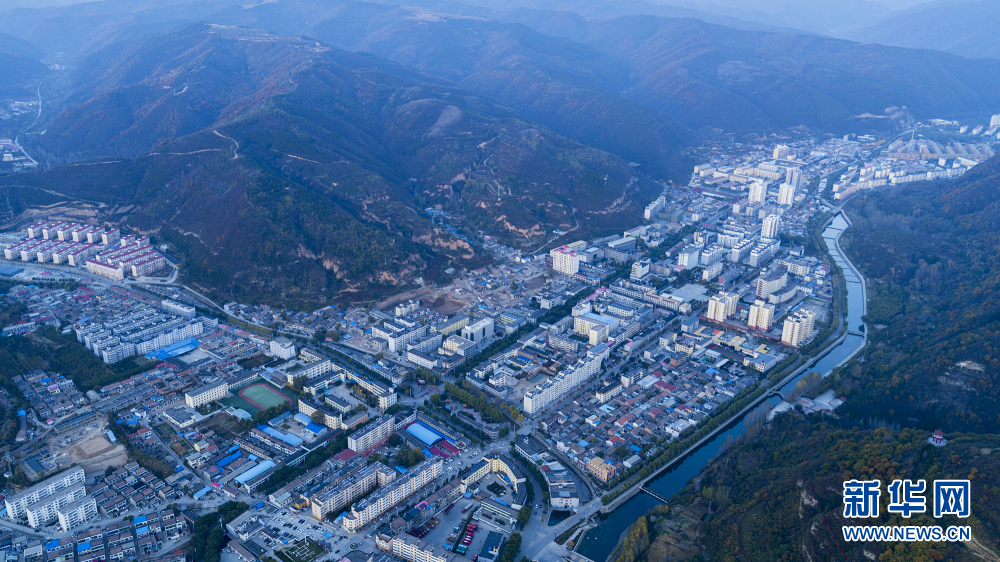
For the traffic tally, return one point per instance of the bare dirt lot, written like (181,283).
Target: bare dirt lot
(446,305)
(96,454)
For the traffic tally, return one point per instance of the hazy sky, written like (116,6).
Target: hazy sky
(776,5)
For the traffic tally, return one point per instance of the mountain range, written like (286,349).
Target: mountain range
(281,169)
(963,27)
(514,121)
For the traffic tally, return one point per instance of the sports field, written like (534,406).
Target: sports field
(263,395)
(256,397)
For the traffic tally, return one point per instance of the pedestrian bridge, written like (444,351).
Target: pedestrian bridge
(654,494)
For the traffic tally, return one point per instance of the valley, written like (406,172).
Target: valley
(672,275)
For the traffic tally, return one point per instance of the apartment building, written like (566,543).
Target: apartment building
(771,282)
(207,393)
(412,549)
(372,434)
(569,379)
(18,503)
(758,191)
(77,513)
(798,328)
(47,509)
(373,506)
(398,333)
(566,260)
(761,316)
(722,306)
(772,226)
(353,480)
(786,194)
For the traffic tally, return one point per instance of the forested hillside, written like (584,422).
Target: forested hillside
(285,171)
(931,254)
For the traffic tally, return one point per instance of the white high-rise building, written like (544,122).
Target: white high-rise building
(786,194)
(781,151)
(798,328)
(712,254)
(772,226)
(793,177)
(689,256)
(565,260)
(758,191)
(654,208)
(640,269)
(761,316)
(722,306)
(995,121)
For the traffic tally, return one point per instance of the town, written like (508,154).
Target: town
(439,427)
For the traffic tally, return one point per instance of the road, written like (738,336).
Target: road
(17,138)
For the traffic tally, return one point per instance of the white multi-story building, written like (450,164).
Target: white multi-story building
(412,549)
(711,272)
(307,365)
(722,306)
(372,434)
(798,328)
(77,513)
(595,327)
(374,505)
(565,260)
(282,348)
(408,307)
(571,378)
(758,191)
(786,194)
(712,254)
(689,255)
(207,393)
(761,316)
(350,482)
(426,345)
(793,177)
(398,334)
(47,509)
(772,226)
(17,504)
(640,269)
(781,152)
(609,391)
(654,208)
(479,330)
(178,309)
(771,282)
(741,250)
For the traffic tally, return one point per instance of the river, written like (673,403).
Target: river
(601,540)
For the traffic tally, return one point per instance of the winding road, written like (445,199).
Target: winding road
(236,145)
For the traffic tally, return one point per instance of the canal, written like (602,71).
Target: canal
(601,540)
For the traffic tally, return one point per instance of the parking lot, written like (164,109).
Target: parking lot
(454,518)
